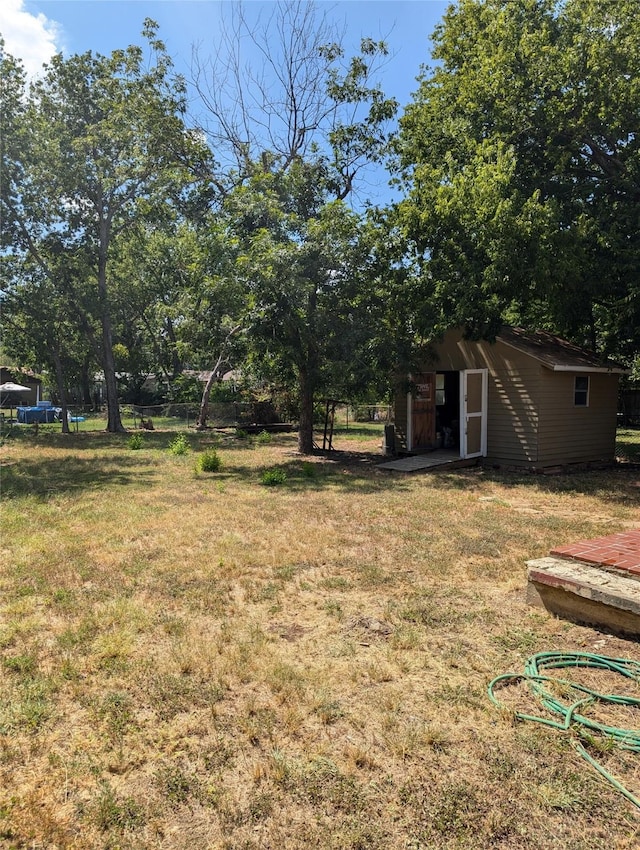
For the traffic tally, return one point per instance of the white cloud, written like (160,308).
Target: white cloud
(32,38)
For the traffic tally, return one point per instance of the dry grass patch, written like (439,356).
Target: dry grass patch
(195,659)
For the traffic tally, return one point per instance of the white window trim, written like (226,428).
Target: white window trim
(576,390)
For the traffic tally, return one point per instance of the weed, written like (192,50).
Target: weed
(114,813)
(28,707)
(373,575)
(209,461)
(176,784)
(116,711)
(64,598)
(241,434)
(80,636)
(264,438)
(263,592)
(135,442)
(260,807)
(286,572)
(220,755)
(23,664)
(328,710)
(335,583)
(522,640)
(179,445)
(557,795)
(286,681)
(333,608)
(322,783)
(170,694)
(273,477)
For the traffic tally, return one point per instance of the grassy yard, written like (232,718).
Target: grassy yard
(200,660)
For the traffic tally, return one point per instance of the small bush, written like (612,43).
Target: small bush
(241,434)
(135,442)
(209,461)
(273,477)
(179,445)
(263,438)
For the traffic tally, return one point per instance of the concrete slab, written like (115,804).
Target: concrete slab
(586,593)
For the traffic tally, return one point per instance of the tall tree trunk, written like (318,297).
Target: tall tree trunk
(176,361)
(203,414)
(305,426)
(216,375)
(307,377)
(61,390)
(85,383)
(114,422)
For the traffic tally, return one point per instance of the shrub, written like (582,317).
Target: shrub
(263,438)
(179,445)
(273,477)
(209,461)
(135,442)
(308,469)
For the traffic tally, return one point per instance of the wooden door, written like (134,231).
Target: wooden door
(423,412)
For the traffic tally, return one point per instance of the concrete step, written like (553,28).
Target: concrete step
(585,593)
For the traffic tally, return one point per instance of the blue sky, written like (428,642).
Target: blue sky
(36,29)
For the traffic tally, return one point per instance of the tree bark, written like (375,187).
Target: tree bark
(114,422)
(203,415)
(216,375)
(61,390)
(305,426)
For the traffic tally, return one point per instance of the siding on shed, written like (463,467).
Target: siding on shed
(570,434)
(532,420)
(514,386)
(512,416)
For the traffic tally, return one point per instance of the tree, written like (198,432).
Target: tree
(40,333)
(297,131)
(521,160)
(98,144)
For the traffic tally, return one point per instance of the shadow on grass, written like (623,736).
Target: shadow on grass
(99,439)
(617,483)
(349,472)
(44,477)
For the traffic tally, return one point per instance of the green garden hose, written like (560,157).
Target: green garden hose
(571,717)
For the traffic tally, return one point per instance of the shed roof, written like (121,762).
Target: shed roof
(556,353)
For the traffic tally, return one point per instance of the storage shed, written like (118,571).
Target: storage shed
(528,400)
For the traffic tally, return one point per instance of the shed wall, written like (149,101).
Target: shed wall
(570,434)
(532,420)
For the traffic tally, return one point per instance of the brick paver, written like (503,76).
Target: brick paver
(616,551)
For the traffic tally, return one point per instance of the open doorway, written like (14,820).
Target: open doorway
(447,405)
(448,412)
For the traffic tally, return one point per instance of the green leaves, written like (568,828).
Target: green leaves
(522,165)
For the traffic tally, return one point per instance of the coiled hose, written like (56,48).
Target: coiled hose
(571,714)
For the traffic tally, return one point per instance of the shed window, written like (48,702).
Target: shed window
(581,391)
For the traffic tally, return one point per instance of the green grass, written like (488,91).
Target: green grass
(628,445)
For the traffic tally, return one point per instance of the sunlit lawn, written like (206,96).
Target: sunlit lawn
(197,660)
